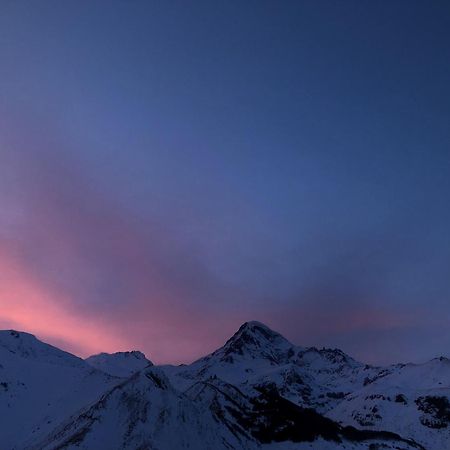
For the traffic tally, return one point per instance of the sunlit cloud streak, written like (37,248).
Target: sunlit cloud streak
(88,272)
(76,252)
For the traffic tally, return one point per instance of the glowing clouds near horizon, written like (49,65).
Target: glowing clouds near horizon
(89,272)
(80,269)
(27,305)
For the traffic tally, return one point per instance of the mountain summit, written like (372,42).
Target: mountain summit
(120,364)
(254,340)
(27,346)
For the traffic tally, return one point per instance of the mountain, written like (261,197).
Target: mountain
(143,412)
(147,412)
(41,385)
(258,391)
(120,364)
(254,349)
(332,383)
(411,399)
(257,356)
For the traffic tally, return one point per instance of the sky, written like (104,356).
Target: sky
(170,170)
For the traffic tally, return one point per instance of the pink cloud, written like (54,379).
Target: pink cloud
(29,305)
(79,268)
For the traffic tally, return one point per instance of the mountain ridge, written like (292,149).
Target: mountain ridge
(257,391)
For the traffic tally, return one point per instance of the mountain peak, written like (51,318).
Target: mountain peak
(258,331)
(255,325)
(255,340)
(26,345)
(14,334)
(119,364)
(19,342)
(133,354)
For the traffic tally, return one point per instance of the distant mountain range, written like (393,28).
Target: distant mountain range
(258,391)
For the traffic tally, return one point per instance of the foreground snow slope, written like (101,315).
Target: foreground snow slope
(147,412)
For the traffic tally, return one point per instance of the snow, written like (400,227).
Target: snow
(51,399)
(410,381)
(120,364)
(41,385)
(143,412)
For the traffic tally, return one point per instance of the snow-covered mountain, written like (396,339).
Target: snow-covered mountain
(147,412)
(258,391)
(40,385)
(411,399)
(257,356)
(120,364)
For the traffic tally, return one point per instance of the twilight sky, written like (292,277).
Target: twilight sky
(169,170)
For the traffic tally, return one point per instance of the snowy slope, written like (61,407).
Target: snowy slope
(411,399)
(147,412)
(120,364)
(143,412)
(41,385)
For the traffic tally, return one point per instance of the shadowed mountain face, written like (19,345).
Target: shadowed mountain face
(257,391)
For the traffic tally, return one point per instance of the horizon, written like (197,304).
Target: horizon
(168,171)
(188,362)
